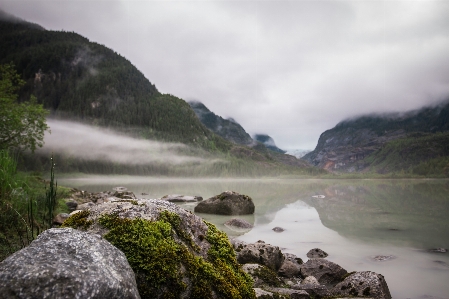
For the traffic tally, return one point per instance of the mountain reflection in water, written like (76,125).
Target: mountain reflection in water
(386,226)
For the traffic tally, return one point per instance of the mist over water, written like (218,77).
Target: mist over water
(78,140)
(355,221)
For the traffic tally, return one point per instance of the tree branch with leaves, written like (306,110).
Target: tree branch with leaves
(22,125)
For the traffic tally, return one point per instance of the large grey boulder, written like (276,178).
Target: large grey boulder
(260,253)
(291,267)
(173,252)
(227,203)
(326,272)
(67,263)
(365,283)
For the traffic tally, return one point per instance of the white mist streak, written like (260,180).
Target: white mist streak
(92,143)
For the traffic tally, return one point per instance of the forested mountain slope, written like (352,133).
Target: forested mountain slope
(76,79)
(386,143)
(83,80)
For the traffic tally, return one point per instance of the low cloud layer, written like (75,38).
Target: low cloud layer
(290,69)
(92,143)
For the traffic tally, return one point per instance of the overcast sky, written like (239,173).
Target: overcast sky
(290,69)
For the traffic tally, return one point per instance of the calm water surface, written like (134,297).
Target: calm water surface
(355,221)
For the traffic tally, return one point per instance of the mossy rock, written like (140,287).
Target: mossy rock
(174,253)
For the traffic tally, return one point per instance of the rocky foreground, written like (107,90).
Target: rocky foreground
(117,246)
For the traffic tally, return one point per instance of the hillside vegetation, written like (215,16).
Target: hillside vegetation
(419,154)
(76,79)
(414,142)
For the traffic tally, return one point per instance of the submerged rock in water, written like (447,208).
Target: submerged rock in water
(181,198)
(316,253)
(438,250)
(383,258)
(238,224)
(67,263)
(227,203)
(278,229)
(173,251)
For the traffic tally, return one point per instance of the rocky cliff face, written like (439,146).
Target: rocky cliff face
(345,147)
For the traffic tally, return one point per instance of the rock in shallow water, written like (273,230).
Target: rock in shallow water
(238,224)
(316,253)
(278,229)
(227,203)
(181,198)
(67,263)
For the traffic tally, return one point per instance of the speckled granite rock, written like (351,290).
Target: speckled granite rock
(67,263)
(365,283)
(326,272)
(291,267)
(259,252)
(316,253)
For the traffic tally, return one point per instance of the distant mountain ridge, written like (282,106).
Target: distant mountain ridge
(268,142)
(226,128)
(352,144)
(80,80)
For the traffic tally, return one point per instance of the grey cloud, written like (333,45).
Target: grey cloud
(291,69)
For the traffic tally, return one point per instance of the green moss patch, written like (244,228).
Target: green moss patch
(78,221)
(161,263)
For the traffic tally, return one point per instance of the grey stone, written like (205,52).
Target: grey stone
(67,263)
(438,250)
(382,258)
(71,205)
(60,218)
(291,267)
(290,293)
(365,283)
(311,285)
(85,206)
(181,198)
(278,229)
(316,253)
(260,253)
(227,203)
(124,194)
(238,224)
(326,272)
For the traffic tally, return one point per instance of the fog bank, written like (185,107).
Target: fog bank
(78,140)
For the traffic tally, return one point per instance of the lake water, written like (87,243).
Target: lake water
(354,222)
